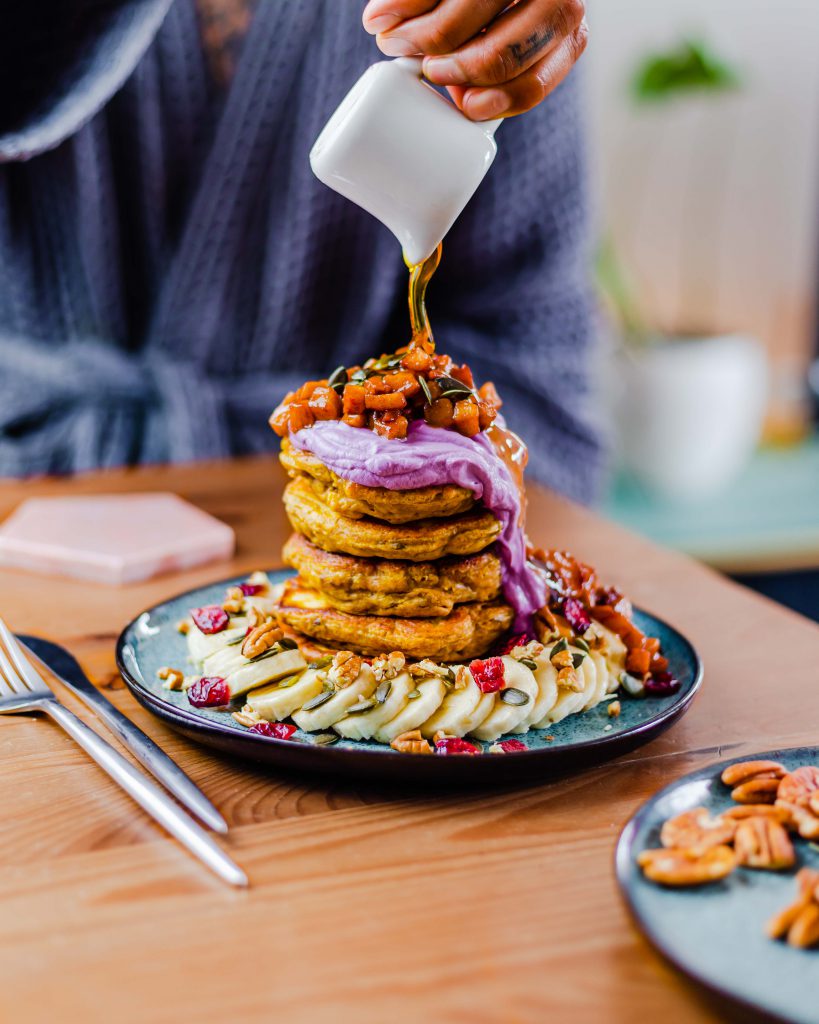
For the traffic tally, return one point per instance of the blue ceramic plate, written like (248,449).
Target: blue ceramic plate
(716,933)
(152,641)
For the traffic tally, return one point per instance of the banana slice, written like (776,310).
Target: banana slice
(461,711)
(266,670)
(569,702)
(203,645)
(363,726)
(547,692)
(505,717)
(614,653)
(415,712)
(601,679)
(277,702)
(334,708)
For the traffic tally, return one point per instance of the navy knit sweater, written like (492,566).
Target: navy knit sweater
(169,266)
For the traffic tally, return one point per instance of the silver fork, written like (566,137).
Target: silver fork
(22,689)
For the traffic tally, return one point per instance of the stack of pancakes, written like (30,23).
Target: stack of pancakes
(380,570)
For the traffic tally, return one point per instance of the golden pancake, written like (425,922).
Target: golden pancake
(468,632)
(420,541)
(376,586)
(354,500)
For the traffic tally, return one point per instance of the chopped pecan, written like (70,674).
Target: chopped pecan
(183,626)
(246,718)
(173,678)
(411,743)
(234,602)
(614,709)
(462,677)
(387,666)
(696,831)
(684,867)
(531,650)
(569,680)
(428,668)
(763,843)
(345,669)
(742,771)
(562,659)
(261,639)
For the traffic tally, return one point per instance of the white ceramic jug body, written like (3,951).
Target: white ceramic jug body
(404,153)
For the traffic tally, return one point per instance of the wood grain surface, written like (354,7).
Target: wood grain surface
(366,905)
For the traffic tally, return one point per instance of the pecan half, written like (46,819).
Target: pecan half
(799,922)
(759,790)
(805,821)
(797,787)
(696,831)
(763,843)
(742,771)
(774,811)
(261,639)
(173,678)
(411,743)
(685,867)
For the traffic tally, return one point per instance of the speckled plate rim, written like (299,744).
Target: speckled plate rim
(623,863)
(535,764)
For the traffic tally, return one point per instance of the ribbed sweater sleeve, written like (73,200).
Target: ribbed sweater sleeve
(61,65)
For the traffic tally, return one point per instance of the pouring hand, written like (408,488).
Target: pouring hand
(496,58)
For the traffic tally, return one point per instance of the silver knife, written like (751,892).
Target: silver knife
(65,667)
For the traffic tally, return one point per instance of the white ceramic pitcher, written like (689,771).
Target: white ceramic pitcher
(404,153)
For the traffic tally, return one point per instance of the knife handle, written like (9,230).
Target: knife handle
(150,797)
(155,760)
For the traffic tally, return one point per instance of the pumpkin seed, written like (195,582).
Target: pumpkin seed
(289,681)
(531,665)
(577,660)
(362,704)
(321,662)
(233,643)
(449,387)
(581,643)
(383,691)
(414,694)
(338,378)
(359,376)
(325,739)
(425,388)
(318,700)
(512,695)
(561,645)
(270,653)
(287,644)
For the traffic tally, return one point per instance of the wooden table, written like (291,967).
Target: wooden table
(366,905)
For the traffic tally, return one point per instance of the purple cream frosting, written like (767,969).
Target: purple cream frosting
(432,457)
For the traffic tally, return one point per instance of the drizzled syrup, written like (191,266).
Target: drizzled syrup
(514,454)
(420,274)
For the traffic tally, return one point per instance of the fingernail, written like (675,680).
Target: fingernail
(444,71)
(394,46)
(380,23)
(480,106)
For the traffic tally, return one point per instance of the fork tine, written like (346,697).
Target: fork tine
(32,680)
(14,682)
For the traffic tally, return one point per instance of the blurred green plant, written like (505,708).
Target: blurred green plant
(689,67)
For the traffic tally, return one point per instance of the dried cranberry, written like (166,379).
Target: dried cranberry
(512,746)
(276,730)
(209,692)
(576,615)
(251,589)
(661,684)
(521,640)
(488,674)
(211,619)
(454,745)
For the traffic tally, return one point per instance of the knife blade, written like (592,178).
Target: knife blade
(66,668)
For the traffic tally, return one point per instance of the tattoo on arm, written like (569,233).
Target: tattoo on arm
(534,44)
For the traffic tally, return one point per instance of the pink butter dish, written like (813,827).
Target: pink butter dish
(112,538)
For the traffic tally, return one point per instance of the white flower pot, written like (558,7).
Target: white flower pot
(690,412)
